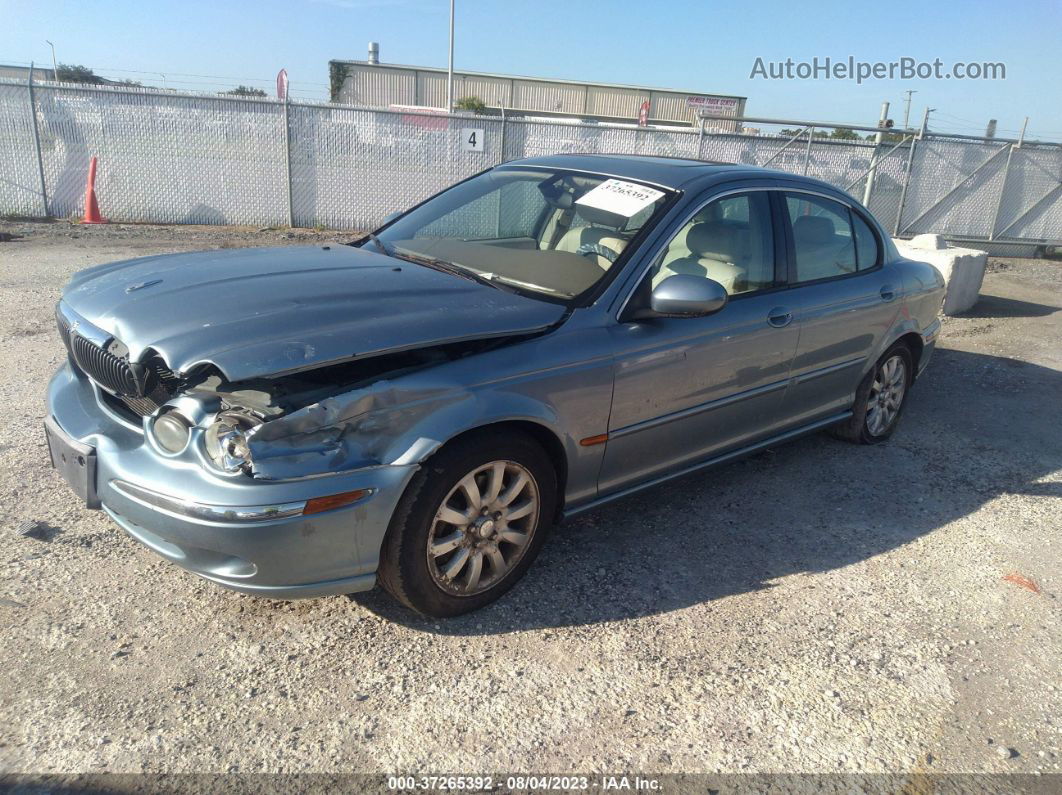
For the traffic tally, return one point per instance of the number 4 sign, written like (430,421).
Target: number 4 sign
(471,140)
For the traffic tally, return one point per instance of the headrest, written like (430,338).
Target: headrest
(714,240)
(813,229)
(557,194)
(599,217)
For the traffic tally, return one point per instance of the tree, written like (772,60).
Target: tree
(887,137)
(844,134)
(246,91)
(75,73)
(788,133)
(474,104)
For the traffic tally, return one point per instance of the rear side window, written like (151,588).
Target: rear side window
(822,237)
(867,252)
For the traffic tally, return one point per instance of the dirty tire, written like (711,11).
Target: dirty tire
(855,428)
(404,569)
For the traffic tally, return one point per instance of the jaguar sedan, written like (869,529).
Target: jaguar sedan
(419,407)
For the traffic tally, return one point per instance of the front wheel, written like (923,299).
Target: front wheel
(469,525)
(880,399)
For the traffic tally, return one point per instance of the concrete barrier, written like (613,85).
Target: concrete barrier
(963,269)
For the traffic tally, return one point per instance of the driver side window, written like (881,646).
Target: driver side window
(729,240)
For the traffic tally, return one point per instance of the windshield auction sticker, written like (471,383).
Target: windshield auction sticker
(619,197)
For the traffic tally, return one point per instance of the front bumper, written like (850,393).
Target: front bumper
(277,553)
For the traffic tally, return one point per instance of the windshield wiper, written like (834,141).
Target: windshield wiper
(497,277)
(454,270)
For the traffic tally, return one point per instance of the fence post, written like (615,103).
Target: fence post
(807,151)
(501,146)
(907,172)
(287,159)
(1002,193)
(700,142)
(878,138)
(37,144)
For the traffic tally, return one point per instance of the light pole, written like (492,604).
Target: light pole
(55,66)
(450,69)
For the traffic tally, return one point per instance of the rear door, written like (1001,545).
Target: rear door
(846,296)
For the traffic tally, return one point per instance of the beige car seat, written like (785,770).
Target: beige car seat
(820,251)
(718,251)
(601,241)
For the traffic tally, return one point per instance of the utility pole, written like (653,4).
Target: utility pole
(450,69)
(55,66)
(907,107)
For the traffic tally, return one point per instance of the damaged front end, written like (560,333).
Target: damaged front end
(331,418)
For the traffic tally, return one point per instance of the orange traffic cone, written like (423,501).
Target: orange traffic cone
(92,209)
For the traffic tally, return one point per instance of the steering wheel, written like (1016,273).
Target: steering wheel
(591,249)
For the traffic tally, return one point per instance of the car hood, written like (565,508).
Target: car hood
(265,311)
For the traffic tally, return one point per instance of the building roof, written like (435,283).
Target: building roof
(21,70)
(499,76)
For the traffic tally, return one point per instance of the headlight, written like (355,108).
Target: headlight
(171,431)
(226,440)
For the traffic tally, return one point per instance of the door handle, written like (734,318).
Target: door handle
(779,317)
(887,292)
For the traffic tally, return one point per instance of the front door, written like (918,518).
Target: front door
(688,388)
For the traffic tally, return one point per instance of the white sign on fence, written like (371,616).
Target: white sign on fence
(472,139)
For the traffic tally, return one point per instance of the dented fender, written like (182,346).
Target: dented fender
(403,419)
(391,422)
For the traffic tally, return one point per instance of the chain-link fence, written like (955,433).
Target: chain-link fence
(189,158)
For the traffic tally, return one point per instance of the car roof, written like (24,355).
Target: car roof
(668,172)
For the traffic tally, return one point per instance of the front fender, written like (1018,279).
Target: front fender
(404,420)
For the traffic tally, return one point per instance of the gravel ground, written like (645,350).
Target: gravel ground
(819,607)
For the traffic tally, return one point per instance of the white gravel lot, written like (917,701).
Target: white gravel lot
(819,607)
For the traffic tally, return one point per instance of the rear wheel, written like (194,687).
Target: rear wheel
(880,399)
(470,524)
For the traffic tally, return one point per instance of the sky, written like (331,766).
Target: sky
(702,47)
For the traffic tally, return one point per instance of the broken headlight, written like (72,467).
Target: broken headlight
(227,439)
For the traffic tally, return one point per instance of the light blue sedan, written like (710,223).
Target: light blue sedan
(419,407)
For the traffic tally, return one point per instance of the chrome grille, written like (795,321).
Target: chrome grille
(113,373)
(64,327)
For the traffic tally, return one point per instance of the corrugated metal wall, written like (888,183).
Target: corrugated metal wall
(625,102)
(368,86)
(378,88)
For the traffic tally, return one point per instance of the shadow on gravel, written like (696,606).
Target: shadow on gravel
(976,427)
(990,306)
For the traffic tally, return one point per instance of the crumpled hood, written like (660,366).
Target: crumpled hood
(264,311)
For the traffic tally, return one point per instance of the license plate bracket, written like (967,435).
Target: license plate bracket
(75,461)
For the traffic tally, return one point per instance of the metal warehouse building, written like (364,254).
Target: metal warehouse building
(373,84)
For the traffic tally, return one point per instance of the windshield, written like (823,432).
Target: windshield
(548,232)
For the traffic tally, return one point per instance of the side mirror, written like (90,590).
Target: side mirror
(389,218)
(686,295)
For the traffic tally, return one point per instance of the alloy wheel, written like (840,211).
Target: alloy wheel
(483,527)
(886,395)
